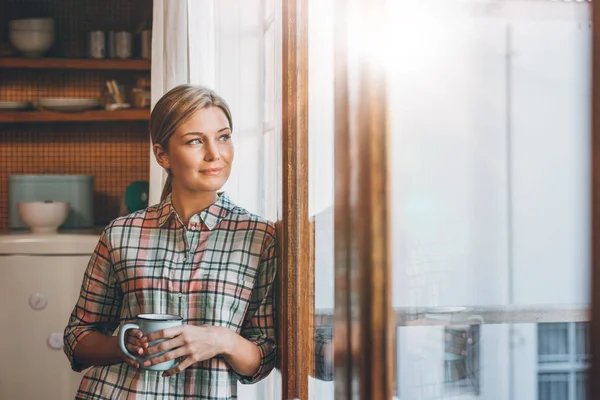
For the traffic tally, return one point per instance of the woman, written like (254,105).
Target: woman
(196,254)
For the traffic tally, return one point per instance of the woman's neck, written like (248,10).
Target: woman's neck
(187,204)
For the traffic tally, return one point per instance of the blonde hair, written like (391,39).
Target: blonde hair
(174,109)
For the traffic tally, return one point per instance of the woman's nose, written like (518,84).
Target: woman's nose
(212,152)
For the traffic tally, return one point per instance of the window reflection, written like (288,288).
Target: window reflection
(490,130)
(489,174)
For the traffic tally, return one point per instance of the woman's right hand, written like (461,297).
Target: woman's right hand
(134,345)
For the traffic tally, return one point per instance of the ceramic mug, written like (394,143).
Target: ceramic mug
(148,323)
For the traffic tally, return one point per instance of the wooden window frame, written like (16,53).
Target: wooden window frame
(364,345)
(594,372)
(364,322)
(294,231)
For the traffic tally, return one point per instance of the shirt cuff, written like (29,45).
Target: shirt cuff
(70,341)
(267,361)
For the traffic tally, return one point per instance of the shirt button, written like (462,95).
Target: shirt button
(193,227)
(183,258)
(179,295)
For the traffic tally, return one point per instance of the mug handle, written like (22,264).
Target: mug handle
(122,331)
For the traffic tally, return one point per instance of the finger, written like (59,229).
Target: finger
(134,341)
(457,351)
(171,355)
(179,367)
(164,334)
(457,341)
(135,333)
(165,346)
(131,362)
(135,350)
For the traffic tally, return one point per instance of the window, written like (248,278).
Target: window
(482,106)
(563,356)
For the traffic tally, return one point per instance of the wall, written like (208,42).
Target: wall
(114,153)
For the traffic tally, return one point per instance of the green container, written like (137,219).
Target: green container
(77,190)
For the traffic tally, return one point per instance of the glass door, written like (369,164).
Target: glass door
(449,204)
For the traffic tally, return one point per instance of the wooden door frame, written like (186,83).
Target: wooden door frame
(296,314)
(364,350)
(594,373)
(363,318)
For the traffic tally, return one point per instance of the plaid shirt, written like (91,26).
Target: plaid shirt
(219,270)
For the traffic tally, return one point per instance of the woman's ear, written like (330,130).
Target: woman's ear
(161,156)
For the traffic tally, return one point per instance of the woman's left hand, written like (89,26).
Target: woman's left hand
(192,343)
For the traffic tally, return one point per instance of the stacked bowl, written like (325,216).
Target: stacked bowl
(32,37)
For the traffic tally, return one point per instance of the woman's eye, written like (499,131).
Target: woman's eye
(225,138)
(194,141)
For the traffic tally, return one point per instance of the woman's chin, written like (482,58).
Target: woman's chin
(209,187)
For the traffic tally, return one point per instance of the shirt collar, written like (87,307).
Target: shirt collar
(211,215)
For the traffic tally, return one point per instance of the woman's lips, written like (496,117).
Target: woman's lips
(212,171)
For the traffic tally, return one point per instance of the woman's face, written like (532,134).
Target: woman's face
(200,152)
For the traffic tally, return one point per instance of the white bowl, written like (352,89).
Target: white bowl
(31,43)
(31,24)
(43,216)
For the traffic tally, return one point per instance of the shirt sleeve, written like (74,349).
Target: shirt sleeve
(97,309)
(259,323)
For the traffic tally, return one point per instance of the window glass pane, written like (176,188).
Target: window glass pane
(321,188)
(581,386)
(489,115)
(554,386)
(582,341)
(553,342)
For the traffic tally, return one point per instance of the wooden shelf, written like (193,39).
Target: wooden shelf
(96,115)
(75,63)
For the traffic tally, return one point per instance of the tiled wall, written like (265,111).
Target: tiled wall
(116,153)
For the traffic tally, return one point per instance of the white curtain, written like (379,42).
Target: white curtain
(172,62)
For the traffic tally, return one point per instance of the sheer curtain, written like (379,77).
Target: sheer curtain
(170,61)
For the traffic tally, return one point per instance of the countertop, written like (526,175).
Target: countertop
(66,242)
